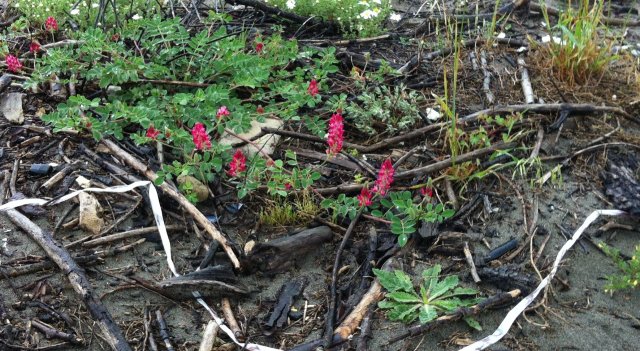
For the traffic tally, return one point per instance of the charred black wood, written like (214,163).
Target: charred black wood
(213,281)
(208,257)
(508,277)
(498,252)
(279,254)
(280,312)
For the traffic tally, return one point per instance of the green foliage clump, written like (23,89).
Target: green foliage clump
(434,297)
(398,208)
(172,79)
(360,18)
(630,269)
(396,109)
(576,48)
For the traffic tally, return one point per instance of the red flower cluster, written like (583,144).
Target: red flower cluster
(200,137)
(152,132)
(313,88)
(34,47)
(51,24)
(385,178)
(238,164)
(259,47)
(426,191)
(364,199)
(336,134)
(382,185)
(260,109)
(222,111)
(13,64)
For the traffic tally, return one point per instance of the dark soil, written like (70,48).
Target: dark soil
(575,314)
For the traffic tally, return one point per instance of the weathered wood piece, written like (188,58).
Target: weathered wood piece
(279,254)
(212,281)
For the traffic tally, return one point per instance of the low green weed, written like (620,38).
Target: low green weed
(630,269)
(433,298)
(395,109)
(398,208)
(283,212)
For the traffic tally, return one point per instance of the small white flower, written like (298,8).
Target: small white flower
(94,5)
(502,35)
(522,49)
(291,4)
(379,2)
(136,17)
(367,14)
(395,17)
(75,11)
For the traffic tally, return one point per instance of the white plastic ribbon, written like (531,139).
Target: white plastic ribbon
(515,312)
(166,244)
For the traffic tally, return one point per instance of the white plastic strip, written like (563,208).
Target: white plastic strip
(515,312)
(166,244)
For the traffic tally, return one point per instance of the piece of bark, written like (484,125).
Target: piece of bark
(111,332)
(279,254)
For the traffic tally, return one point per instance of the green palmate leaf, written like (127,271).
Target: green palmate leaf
(405,297)
(427,313)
